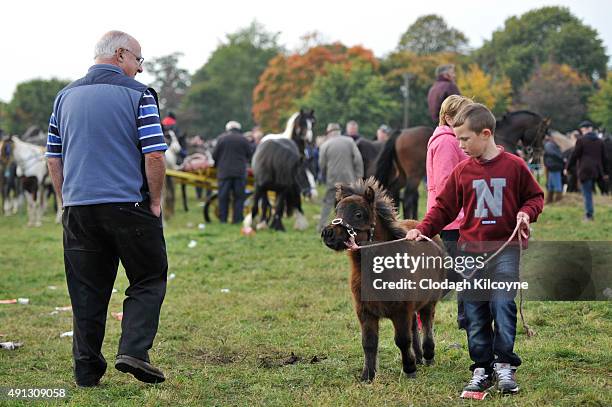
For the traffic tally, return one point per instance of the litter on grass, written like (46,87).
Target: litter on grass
(10,345)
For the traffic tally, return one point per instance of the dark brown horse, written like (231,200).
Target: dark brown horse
(523,130)
(369,150)
(402,160)
(368,213)
(401,164)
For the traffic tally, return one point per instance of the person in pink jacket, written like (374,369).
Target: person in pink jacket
(443,154)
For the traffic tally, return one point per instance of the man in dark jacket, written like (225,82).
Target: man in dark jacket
(554,163)
(443,87)
(590,156)
(232,155)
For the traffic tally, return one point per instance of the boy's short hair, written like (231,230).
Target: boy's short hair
(451,106)
(477,116)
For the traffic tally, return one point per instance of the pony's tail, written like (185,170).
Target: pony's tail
(384,162)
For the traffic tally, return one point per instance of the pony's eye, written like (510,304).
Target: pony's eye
(358,215)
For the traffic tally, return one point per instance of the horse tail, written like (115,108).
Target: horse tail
(385,160)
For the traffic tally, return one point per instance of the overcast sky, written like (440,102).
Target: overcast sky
(44,39)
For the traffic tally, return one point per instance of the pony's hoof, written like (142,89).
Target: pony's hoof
(261,226)
(411,375)
(418,361)
(429,362)
(367,376)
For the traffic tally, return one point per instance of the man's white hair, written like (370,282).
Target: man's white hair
(232,124)
(111,42)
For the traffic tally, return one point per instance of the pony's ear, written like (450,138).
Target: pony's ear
(301,112)
(342,192)
(311,114)
(370,195)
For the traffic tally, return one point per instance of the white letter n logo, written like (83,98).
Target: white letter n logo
(483,194)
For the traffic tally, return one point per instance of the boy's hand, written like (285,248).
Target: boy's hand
(414,234)
(524,228)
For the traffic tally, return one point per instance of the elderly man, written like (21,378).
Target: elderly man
(352,130)
(340,162)
(105,154)
(443,87)
(232,154)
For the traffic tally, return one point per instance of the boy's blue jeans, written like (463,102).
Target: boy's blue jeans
(491,325)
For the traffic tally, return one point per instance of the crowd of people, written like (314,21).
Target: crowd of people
(112,205)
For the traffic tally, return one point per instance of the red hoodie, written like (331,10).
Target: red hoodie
(491,193)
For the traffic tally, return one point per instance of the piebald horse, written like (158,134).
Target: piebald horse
(279,165)
(32,169)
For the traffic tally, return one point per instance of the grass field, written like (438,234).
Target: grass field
(240,307)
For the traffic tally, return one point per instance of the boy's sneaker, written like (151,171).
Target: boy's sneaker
(506,379)
(480,382)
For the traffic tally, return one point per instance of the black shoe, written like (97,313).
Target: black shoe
(89,384)
(480,381)
(141,370)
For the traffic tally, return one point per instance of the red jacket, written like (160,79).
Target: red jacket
(443,154)
(491,194)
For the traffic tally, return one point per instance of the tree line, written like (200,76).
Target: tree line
(546,60)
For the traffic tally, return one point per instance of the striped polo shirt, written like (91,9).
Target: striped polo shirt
(101,127)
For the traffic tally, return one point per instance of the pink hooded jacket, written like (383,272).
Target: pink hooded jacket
(443,154)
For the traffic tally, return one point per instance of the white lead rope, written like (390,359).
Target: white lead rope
(352,245)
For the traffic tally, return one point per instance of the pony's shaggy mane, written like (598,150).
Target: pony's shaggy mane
(383,204)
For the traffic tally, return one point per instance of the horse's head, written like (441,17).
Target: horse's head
(6,149)
(303,126)
(361,206)
(533,140)
(526,127)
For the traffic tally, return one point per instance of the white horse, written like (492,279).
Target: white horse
(173,152)
(171,158)
(32,164)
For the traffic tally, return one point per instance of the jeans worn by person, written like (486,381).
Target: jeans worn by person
(554,183)
(491,317)
(587,193)
(236,188)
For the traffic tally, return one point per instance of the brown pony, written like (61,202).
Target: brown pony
(367,213)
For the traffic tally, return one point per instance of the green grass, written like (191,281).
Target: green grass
(287,293)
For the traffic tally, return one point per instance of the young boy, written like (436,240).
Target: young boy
(496,190)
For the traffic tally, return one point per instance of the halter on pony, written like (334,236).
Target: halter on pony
(352,231)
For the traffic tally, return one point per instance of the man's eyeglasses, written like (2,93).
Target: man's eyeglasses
(139,59)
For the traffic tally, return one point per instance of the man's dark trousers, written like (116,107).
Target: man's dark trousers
(236,186)
(96,237)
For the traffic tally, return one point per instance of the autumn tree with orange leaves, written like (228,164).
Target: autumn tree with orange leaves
(289,78)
